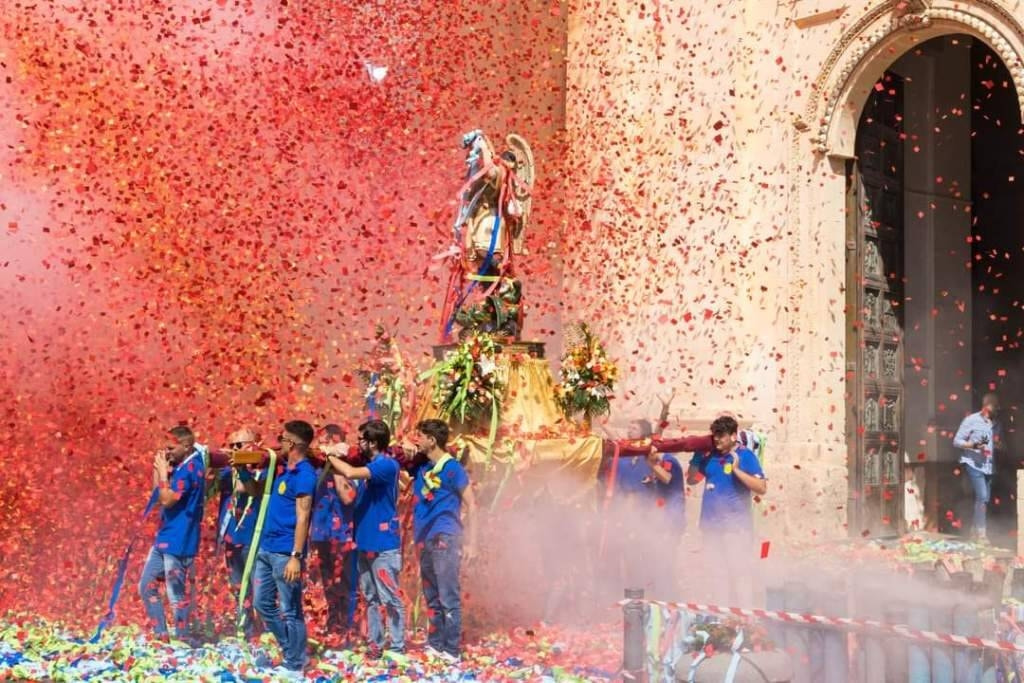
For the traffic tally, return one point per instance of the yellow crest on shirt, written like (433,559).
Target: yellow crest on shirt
(281,487)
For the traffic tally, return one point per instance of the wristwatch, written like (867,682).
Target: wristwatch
(296,554)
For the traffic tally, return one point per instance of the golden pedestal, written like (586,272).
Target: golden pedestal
(534,439)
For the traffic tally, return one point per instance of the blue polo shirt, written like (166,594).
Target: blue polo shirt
(438,510)
(376,507)
(179,523)
(238,511)
(727,502)
(279,526)
(634,479)
(331,520)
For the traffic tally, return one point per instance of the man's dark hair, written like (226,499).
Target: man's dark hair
(182,433)
(301,429)
(333,429)
(376,433)
(724,425)
(437,429)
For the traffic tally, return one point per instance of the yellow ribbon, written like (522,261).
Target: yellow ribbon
(432,479)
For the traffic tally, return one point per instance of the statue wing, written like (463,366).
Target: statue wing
(526,173)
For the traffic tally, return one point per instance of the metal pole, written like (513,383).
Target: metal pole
(796,638)
(775,600)
(872,651)
(942,621)
(837,658)
(895,648)
(966,661)
(633,636)
(919,667)
(816,638)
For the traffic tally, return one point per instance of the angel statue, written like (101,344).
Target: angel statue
(494,210)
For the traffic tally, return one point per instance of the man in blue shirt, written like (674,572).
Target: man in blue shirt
(976,438)
(732,476)
(441,490)
(179,476)
(277,578)
(236,521)
(330,536)
(647,514)
(378,547)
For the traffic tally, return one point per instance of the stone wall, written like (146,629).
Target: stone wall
(706,233)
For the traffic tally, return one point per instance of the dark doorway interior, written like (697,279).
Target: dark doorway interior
(997,268)
(935,285)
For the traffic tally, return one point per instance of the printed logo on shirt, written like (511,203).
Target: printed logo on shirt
(281,488)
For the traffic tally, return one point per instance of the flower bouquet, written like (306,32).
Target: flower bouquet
(467,386)
(587,377)
(385,390)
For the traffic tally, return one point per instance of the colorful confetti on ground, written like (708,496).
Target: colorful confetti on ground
(33,649)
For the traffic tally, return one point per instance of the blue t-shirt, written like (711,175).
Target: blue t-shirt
(376,507)
(331,520)
(236,521)
(179,523)
(279,526)
(726,503)
(634,480)
(438,508)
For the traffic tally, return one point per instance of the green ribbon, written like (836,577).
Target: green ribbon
(435,471)
(509,466)
(654,629)
(493,433)
(255,545)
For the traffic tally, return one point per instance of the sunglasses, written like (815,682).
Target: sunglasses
(238,444)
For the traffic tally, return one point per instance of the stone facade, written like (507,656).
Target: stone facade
(708,145)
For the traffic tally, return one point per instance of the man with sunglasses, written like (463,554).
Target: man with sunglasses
(236,520)
(277,577)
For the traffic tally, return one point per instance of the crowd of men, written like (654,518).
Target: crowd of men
(345,513)
(342,506)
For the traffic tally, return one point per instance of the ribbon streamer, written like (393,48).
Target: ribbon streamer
(122,568)
(255,544)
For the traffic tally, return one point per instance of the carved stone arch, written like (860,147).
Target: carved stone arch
(880,38)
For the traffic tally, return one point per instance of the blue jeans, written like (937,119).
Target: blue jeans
(234,559)
(279,603)
(378,582)
(982,485)
(174,570)
(439,568)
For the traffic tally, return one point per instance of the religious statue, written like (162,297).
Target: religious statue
(489,231)
(389,382)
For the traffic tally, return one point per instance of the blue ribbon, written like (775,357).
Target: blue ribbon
(122,568)
(483,270)
(371,400)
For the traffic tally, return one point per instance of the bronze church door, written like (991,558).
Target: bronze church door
(874,300)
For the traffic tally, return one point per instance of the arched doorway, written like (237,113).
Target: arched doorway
(934,319)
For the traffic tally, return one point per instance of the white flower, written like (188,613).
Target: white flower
(487,366)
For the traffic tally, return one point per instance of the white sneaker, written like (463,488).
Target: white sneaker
(283,673)
(433,653)
(449,658)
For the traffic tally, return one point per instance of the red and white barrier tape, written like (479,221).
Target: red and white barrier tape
(840,622)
